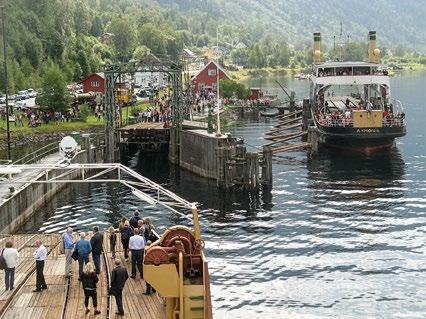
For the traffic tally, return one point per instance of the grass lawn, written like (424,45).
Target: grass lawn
(50,128)
(92,122)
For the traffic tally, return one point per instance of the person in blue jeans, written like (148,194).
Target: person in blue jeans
(84,249)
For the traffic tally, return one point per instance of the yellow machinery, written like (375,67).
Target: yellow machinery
(317,48)
(122,95)
(367,119)
(176,267)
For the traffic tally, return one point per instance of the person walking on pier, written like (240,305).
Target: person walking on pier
(118,279)
(137,245)
(134,220)
(10,256)
(112,240)
(90,279)
(68,241)
(97,241)
(40,256)
(126,233)
(83,248)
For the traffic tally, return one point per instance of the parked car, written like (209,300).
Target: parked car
(2,99)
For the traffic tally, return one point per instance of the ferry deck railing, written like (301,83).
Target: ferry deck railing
(348,122)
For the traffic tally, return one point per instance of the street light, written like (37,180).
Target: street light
(6,84)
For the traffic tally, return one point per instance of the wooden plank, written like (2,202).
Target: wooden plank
(290,147)
(286,138)
(45,304)
(284,128)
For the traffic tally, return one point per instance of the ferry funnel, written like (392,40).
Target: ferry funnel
(317,48)
(373,51)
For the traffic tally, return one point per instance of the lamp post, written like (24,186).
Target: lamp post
(218,133)
(6,84)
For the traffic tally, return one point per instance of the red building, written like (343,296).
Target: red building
(255,94)
(94,83)
(206,78)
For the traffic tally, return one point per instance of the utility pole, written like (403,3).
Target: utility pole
(218,133)
(6,84)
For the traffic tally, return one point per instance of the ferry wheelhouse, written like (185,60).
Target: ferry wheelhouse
(351,102)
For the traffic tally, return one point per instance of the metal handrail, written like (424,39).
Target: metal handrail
(396,121)
(34,156)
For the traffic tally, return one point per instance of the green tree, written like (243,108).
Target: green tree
(153,38)
(231,88)
(123,36)
(54,94)
(97,28)
(140,52)
(82,20)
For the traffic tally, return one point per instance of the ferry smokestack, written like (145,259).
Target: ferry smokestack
(317,48)
(373,51)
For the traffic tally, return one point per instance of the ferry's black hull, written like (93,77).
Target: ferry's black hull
(365,140)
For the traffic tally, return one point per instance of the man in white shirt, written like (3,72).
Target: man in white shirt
(136,246)
(10,256)
(40,255)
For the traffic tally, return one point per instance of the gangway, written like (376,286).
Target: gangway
(141,187)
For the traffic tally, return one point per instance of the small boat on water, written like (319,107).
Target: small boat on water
(302,76)
(351,105)
(271,113)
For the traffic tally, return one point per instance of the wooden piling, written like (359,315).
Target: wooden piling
(267,166)
(313,139)
(220,166)
(87,147)
(306,114)
(252,171)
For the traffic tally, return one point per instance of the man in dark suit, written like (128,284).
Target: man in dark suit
(96,241)
(118,279)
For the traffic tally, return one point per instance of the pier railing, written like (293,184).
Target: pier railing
(38,154)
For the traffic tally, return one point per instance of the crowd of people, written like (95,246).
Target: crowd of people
(136,234)
(326,117)
(349,71)
(35,117)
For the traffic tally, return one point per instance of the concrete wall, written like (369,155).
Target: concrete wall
(199,152)
(17,209)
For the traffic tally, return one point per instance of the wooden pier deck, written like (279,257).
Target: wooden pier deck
(64,297)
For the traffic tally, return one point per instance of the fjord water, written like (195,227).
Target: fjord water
(338,236)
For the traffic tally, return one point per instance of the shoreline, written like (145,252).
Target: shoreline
(246,73)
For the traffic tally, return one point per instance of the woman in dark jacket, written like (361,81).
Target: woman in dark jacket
(90,279)
(112,240)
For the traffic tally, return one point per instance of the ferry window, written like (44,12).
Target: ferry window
(361,70)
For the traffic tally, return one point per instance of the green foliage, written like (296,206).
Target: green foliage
(140,52)
(73,34)
(54,94)
(84,112)
(123,36)
(230,88)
